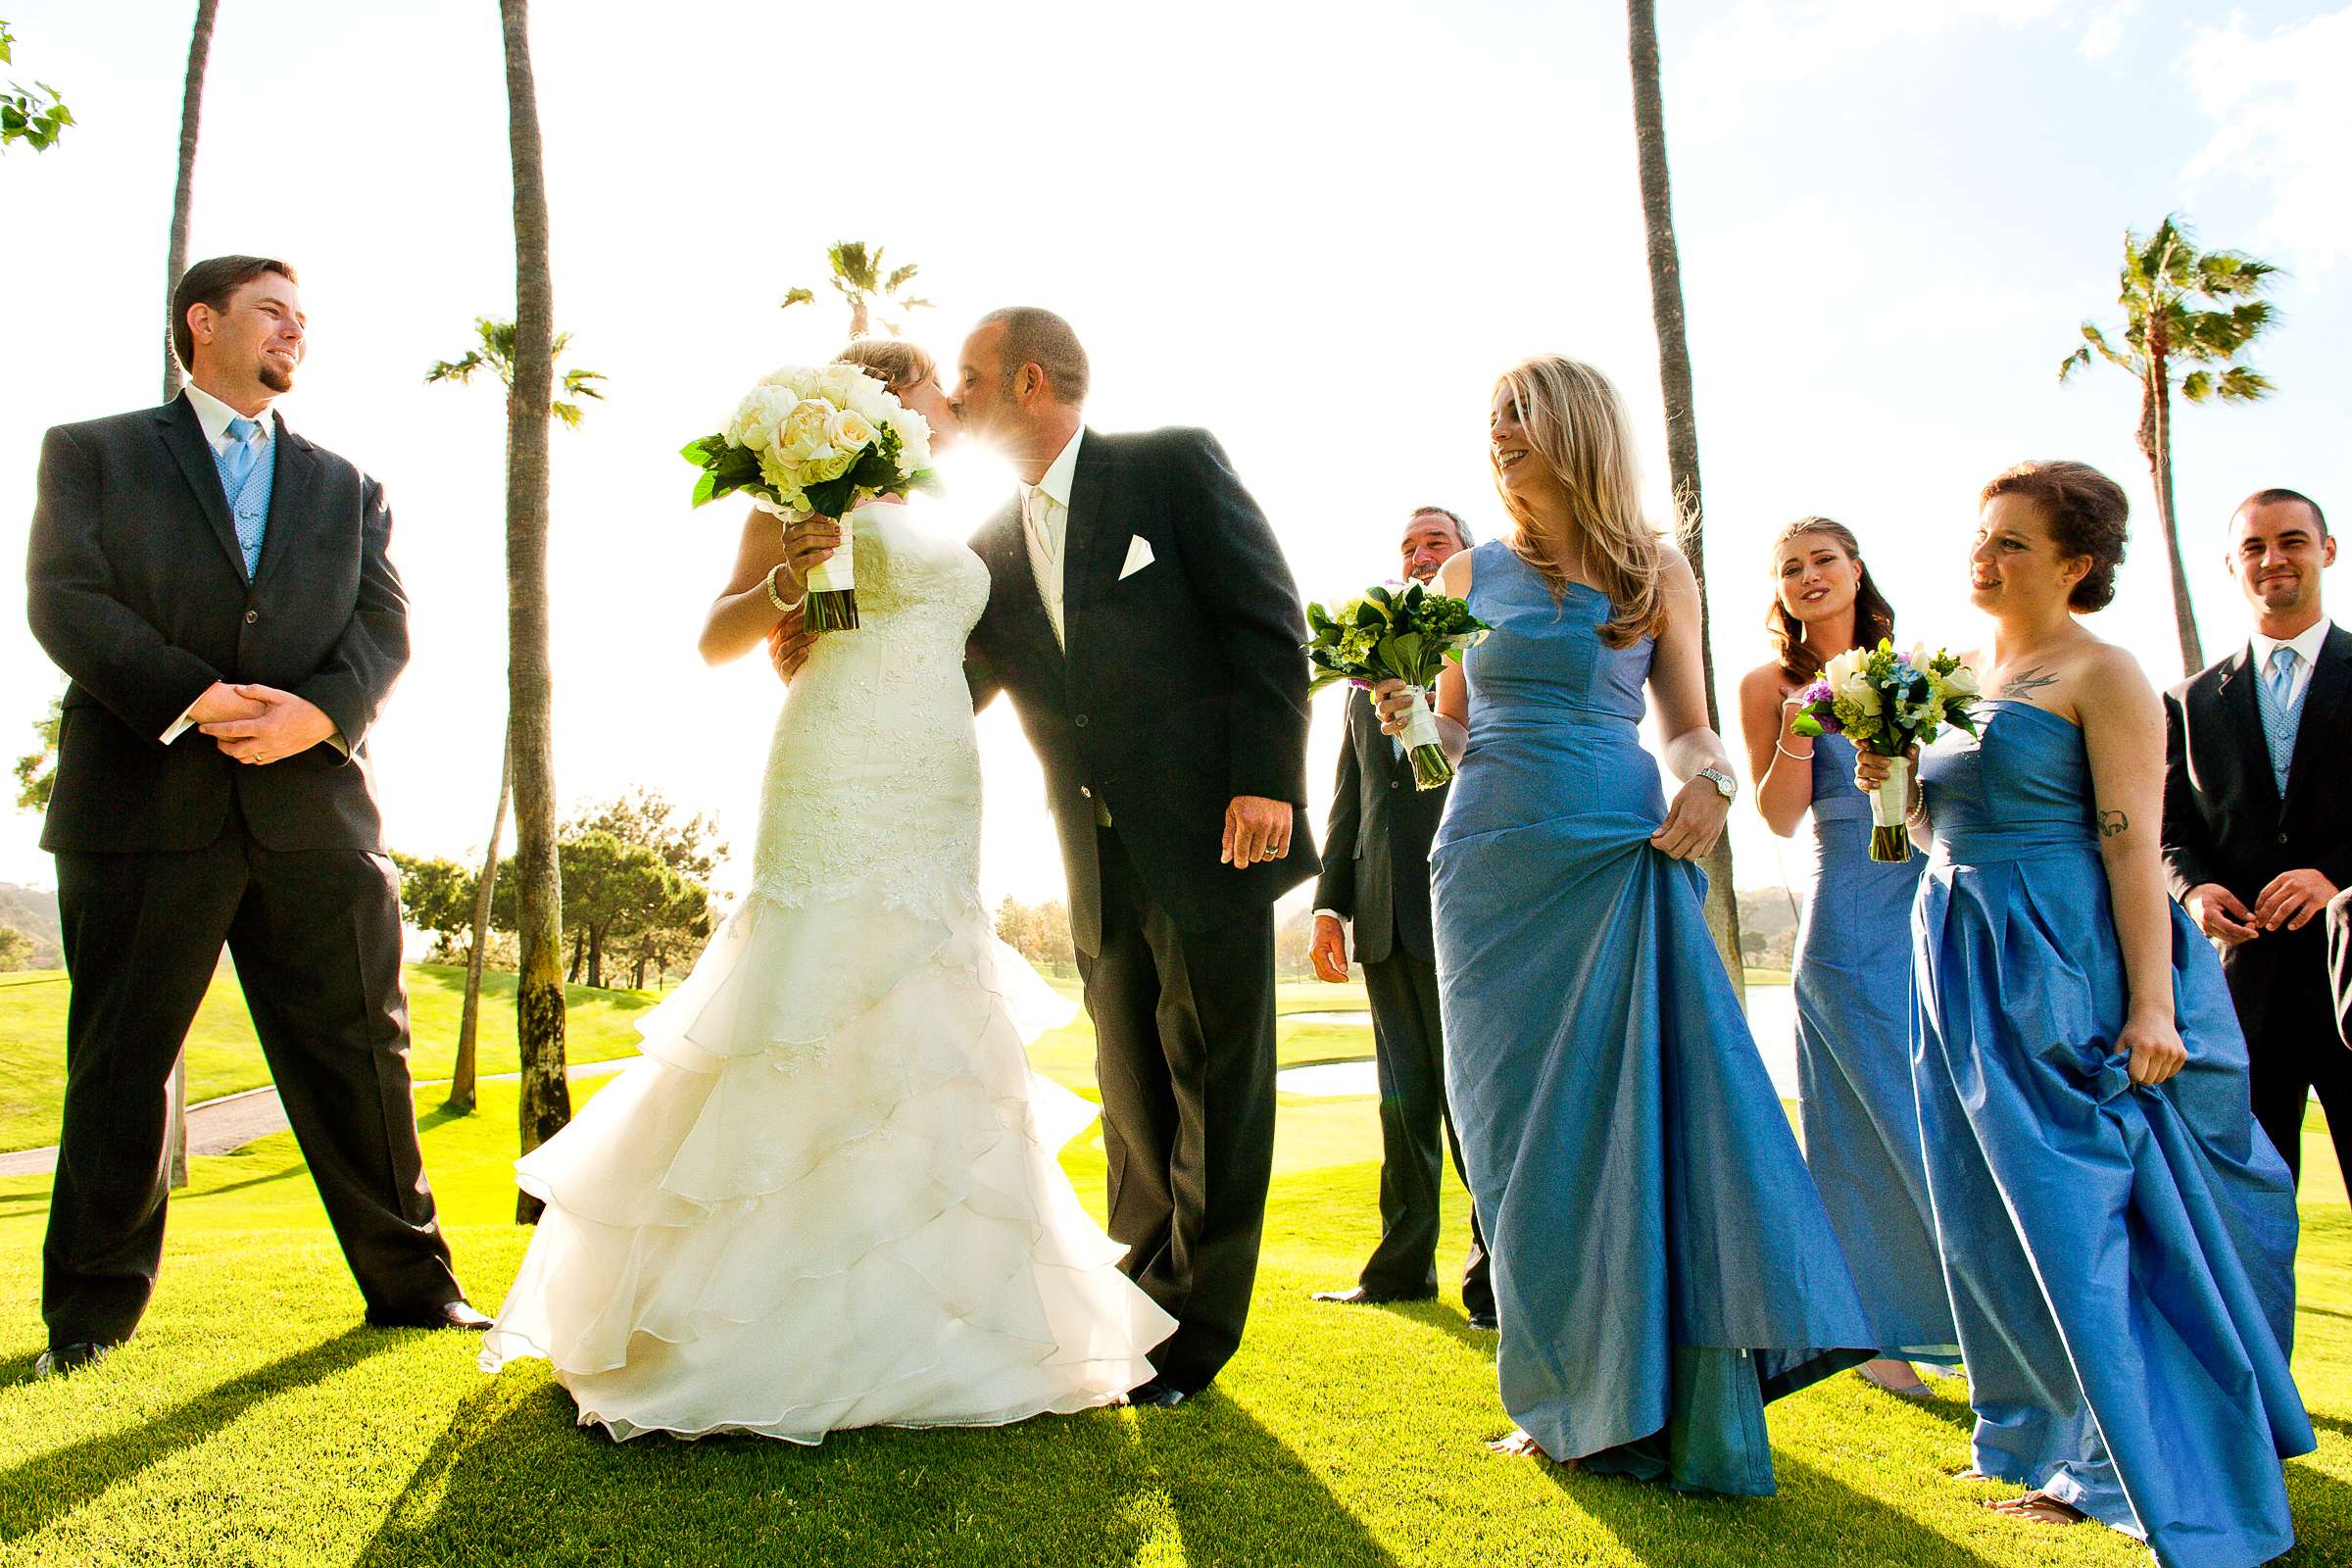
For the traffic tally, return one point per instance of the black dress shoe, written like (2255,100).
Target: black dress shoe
(1364,1296)
(1156,1396)
(1485,1322)
(458,1314)
(60,1359)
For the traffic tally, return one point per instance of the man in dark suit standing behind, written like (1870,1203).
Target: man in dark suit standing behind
(1144,622)
(1376,874)
(218,590)
(2257,833)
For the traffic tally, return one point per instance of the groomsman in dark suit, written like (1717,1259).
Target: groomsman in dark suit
(1376,874)
(218,590)
(2258,819)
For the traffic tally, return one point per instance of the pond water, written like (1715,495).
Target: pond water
(1771,1015)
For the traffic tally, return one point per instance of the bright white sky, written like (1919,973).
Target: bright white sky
(1319,230)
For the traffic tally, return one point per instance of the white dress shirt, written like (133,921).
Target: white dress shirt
(214,415)
(1046,527)
(2306,644)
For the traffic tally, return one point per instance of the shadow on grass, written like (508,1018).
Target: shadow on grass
(46,1488)
(513,1478)
(1665,1529)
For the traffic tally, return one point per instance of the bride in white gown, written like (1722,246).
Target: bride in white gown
(827,1196)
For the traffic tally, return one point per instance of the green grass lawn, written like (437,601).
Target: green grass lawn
(225,1059)
(253,1421)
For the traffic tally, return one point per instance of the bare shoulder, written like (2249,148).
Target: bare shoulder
(2108,674)
(1763,684)
(1453,577)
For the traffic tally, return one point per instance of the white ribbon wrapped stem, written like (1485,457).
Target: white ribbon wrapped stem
(1420,725)
(840,569)
(1890,802)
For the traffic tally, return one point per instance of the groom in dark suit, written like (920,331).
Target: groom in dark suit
(218,591)
(2257,831)
(1143,620)
(1376,874)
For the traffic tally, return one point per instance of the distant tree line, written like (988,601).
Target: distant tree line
(636,875)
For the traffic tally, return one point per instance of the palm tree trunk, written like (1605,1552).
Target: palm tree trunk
(546,1098)
(485,887)
(1682,417)
(191,104)
(2156,443)
(175,262)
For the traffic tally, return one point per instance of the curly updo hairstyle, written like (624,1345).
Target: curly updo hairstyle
(2086,514)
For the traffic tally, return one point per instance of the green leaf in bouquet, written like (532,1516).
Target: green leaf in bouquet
(832,497)
(705,489)
(1403,654)
(1319,619)
(1370,612)
(1807,724)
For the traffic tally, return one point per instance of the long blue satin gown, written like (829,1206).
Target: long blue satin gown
(1662,1264)
(1853,1068)
(2121,1258)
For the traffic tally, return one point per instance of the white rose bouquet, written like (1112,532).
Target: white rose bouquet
(1885,702)
(1396,631)
(818,440)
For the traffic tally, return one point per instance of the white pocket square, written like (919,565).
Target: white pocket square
(1139,556)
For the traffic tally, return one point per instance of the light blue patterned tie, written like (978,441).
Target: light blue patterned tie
(247,501)
(2282,711)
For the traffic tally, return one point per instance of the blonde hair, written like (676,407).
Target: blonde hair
(1577,427)
(892,360)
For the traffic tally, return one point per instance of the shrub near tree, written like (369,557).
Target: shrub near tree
(437,897)
(16,950)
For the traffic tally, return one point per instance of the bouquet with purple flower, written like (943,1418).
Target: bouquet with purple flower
(1396,631)
(1885,702)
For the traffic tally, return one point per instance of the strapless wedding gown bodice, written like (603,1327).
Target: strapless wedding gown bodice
(828,1197)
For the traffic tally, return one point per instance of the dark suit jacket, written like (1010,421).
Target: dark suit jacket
(1184,683)
(1376,848)
(137,590)
(2223,820)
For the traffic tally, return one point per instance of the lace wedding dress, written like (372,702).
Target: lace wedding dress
(827,1196)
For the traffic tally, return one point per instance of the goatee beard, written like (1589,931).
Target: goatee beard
(274,378)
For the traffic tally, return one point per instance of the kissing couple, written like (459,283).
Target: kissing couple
(829,1195)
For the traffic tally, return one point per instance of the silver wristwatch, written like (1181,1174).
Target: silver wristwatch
(1720,779)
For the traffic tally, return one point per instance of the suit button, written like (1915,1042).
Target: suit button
(1080,721)
(252,616)
(2282,838)
(1391,783)
(1083,790)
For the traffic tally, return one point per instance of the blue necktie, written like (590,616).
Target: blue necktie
(2282,711)
(252,511)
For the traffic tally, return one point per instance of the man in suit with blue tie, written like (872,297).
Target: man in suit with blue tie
(218,590)
(2257,833)
(1376,873)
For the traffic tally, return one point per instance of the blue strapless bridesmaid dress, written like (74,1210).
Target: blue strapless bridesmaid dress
(1662,1263)
(2121,1258)
(1853,1068)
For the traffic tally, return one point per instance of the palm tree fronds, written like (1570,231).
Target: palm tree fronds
(798,296)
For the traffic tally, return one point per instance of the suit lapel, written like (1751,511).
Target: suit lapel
(2322,702)
(182,435)
(289,495)
(1014,587)
(1083,545)
(2242,706)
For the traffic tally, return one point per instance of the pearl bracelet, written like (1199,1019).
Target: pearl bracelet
(777,598)
(1801,757)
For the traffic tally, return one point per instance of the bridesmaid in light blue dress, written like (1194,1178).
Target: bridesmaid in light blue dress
(1853,966)
(2118,1232)
(1662,1263)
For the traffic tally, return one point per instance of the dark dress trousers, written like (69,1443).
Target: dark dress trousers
(1376,874)
(1184,685)
(2224,822)
(138,590)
